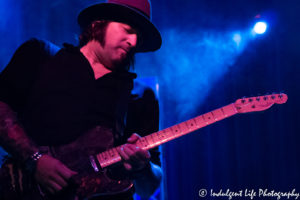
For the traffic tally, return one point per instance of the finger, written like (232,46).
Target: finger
(124,157)
(49,189)
(69,170)
(139,153)
(130,152)
(133,138)
(127,166)
(54,186)
(65,172)
(59,180)
(122,153)
(133,152)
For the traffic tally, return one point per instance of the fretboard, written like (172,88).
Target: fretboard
(112,156)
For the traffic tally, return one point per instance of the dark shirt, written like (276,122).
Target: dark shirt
(57,97)
(66,100)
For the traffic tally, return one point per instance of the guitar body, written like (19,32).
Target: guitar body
(87,184)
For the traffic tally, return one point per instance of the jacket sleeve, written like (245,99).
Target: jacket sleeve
(16,81)
(18,76)
(143,117)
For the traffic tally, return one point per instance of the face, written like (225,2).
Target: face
(120,42)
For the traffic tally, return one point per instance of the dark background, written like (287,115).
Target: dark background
(200,68)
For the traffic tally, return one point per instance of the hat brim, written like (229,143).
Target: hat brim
(151,38)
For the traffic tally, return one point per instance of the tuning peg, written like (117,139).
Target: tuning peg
(243,100)
(265,97)
(250,99)
(257,98)
(280,95)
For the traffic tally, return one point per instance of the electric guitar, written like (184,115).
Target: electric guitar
(93,162)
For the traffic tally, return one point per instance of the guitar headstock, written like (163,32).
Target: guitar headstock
(259,103)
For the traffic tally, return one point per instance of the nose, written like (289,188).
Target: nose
(132,40)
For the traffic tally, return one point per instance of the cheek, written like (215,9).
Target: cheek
(111,47)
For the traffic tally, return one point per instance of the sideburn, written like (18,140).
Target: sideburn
(98,30)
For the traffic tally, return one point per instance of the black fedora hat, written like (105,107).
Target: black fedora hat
(136,13)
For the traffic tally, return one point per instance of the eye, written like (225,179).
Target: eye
(130,30)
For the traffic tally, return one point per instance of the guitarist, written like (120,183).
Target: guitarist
(50,97)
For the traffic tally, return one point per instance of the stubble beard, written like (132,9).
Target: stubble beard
(126,62)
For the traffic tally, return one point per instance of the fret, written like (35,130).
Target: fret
(183,127)
(169,133)
(213,116)
(142,143)
(200,121)
(229,110)
(117,157)
(103,159)
(112,157)
(222,109)
(150,140)
(105,155)
(204,120)
(111,153)
(153,138)
(218,114)
(116,153)
(163,136)
(102,156)
(209,118)
(156,137)
(99,158)
(176,130)
(159,137)
(191,124)
(145,141)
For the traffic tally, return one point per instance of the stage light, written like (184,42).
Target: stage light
(237,38)
(260,27)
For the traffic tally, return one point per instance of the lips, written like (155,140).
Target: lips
(125,49)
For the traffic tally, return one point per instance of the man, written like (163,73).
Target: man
(75,100)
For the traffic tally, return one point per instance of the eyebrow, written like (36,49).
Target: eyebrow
(130,29)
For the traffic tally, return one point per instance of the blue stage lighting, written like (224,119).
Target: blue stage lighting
(237,38)
(260,27)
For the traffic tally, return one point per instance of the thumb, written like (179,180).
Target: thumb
(133,138)
(71,172)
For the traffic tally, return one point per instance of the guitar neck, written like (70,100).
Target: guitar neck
(111,156)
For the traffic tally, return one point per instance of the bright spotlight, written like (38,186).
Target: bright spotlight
(237,38)
(260,27)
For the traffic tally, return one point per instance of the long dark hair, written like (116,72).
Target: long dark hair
(95,31)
